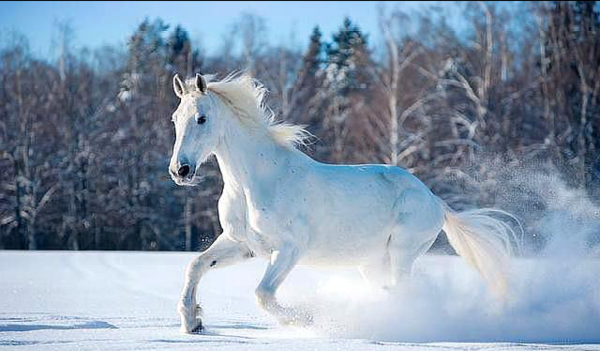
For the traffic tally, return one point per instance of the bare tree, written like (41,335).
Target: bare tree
(85,140)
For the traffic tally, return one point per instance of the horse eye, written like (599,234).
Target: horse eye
(201,119)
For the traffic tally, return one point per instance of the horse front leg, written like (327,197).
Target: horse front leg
(281,263)
(223,252)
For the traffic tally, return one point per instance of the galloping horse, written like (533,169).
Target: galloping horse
(280,204)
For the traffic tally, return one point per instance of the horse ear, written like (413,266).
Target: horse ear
(201,83)
(178,86)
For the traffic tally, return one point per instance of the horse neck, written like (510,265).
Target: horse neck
(249,159)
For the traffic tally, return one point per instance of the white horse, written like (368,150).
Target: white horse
(280,204)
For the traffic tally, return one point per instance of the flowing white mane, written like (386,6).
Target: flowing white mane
(245,96)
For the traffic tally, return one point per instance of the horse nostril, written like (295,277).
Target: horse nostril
(183,170)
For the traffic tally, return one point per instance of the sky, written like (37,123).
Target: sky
(104,22)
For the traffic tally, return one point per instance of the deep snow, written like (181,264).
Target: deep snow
(117,301)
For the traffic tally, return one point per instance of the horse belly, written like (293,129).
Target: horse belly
(352,252)
(352,238)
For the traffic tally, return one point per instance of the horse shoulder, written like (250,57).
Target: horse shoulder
(274,212)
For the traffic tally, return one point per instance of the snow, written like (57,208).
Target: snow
(127,301)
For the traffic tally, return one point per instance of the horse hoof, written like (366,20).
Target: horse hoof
(198,330)
(193,326)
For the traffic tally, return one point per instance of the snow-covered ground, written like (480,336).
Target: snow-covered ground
(127,301)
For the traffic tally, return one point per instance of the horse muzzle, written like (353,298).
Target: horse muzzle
(183,174)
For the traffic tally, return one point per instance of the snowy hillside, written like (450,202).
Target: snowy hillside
(127,301)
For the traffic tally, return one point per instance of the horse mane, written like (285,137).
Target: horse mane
(246,97)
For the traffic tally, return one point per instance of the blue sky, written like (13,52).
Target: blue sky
(97,23)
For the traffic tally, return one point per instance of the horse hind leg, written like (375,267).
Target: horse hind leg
(420,219)
(404,248)
(376,272)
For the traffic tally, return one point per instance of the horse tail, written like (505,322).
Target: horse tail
(484,242)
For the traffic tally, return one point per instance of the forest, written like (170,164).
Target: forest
(85,138)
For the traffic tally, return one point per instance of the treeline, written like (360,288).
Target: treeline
(85,139)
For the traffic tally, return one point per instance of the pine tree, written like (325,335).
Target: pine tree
(305,102)
(345,73)
(308,75)
(147,47)
(347,54)
(179,51)
(313,59)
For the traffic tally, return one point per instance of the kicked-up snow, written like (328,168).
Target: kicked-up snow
(127,301)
